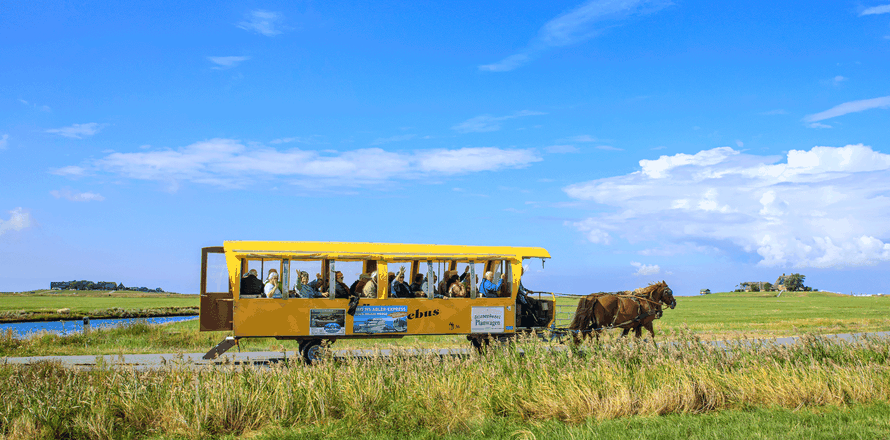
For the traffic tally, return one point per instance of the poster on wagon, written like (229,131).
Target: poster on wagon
(380,319)
(327,322)
(487,320)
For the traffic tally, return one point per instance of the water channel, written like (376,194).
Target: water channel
(24,329)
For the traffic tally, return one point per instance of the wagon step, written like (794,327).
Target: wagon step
(222,347)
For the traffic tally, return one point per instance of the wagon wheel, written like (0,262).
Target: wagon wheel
(480,343)
(311,351)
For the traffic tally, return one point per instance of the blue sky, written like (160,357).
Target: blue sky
(700,143)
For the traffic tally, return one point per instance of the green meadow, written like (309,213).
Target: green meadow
(816,388)
(44,305)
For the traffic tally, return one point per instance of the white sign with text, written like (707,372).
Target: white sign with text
(487,320)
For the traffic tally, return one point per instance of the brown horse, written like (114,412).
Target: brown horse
(628,310)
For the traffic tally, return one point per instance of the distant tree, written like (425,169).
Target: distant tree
(767,286)
(754,287)
(794,282)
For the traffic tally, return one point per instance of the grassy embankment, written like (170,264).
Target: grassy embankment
(44,305)
(716,316)
(816,388)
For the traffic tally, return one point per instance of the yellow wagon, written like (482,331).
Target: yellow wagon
(286,314)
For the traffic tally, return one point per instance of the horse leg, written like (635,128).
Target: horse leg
(651,332)
(625,332)
(638,331)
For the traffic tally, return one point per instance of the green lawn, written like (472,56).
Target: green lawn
(44,305)
(762,314)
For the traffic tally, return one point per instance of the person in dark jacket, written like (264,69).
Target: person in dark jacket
(342,290)
(399,288)
(251,285)
(417,285)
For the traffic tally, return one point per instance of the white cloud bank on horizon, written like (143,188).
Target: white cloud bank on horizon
(263,22)
(18,220)
(576,26)
(74,196)
(826,207)
(229,163)
(78,131)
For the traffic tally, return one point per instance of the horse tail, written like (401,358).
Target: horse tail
(583,314)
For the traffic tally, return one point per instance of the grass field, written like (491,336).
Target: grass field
(44,305)
(817,388)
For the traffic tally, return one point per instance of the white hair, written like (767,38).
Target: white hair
(488,274)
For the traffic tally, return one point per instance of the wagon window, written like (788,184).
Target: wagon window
(217,277)
(313,269)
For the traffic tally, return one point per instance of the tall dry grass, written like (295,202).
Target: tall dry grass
(527,382)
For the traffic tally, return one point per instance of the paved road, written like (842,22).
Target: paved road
(266,358)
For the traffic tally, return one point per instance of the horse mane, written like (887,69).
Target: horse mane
(651,288)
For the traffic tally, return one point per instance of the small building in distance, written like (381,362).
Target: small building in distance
(780,283)
(704,292)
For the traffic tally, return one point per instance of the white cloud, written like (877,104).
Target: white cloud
(645,269)
(739,143)
(849,107)
(70,171)
(262,22)
(68,194)
(824,207)
(838,79)
(485,123)
(229,163)
(580,24)
(3,141)
(78,131)
(609,148)
(560,149)
(397,138)
(882,9)
(18,220)
(226,62)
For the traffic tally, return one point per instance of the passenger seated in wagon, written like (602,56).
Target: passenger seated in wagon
(417,285)
(488,288)
(370,288)
(303,289)
(399,288)
(251,286)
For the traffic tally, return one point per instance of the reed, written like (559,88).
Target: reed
(527,382)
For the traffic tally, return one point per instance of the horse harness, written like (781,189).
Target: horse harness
(641,315)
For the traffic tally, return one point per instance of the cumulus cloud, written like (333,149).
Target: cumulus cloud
(645,269)
(882,9)
(848,107)
(78,131)
(823,207)
(229,163)
(74,196)
(18,219)
(226,62)
(575,26)
(266,23)
(485,123)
